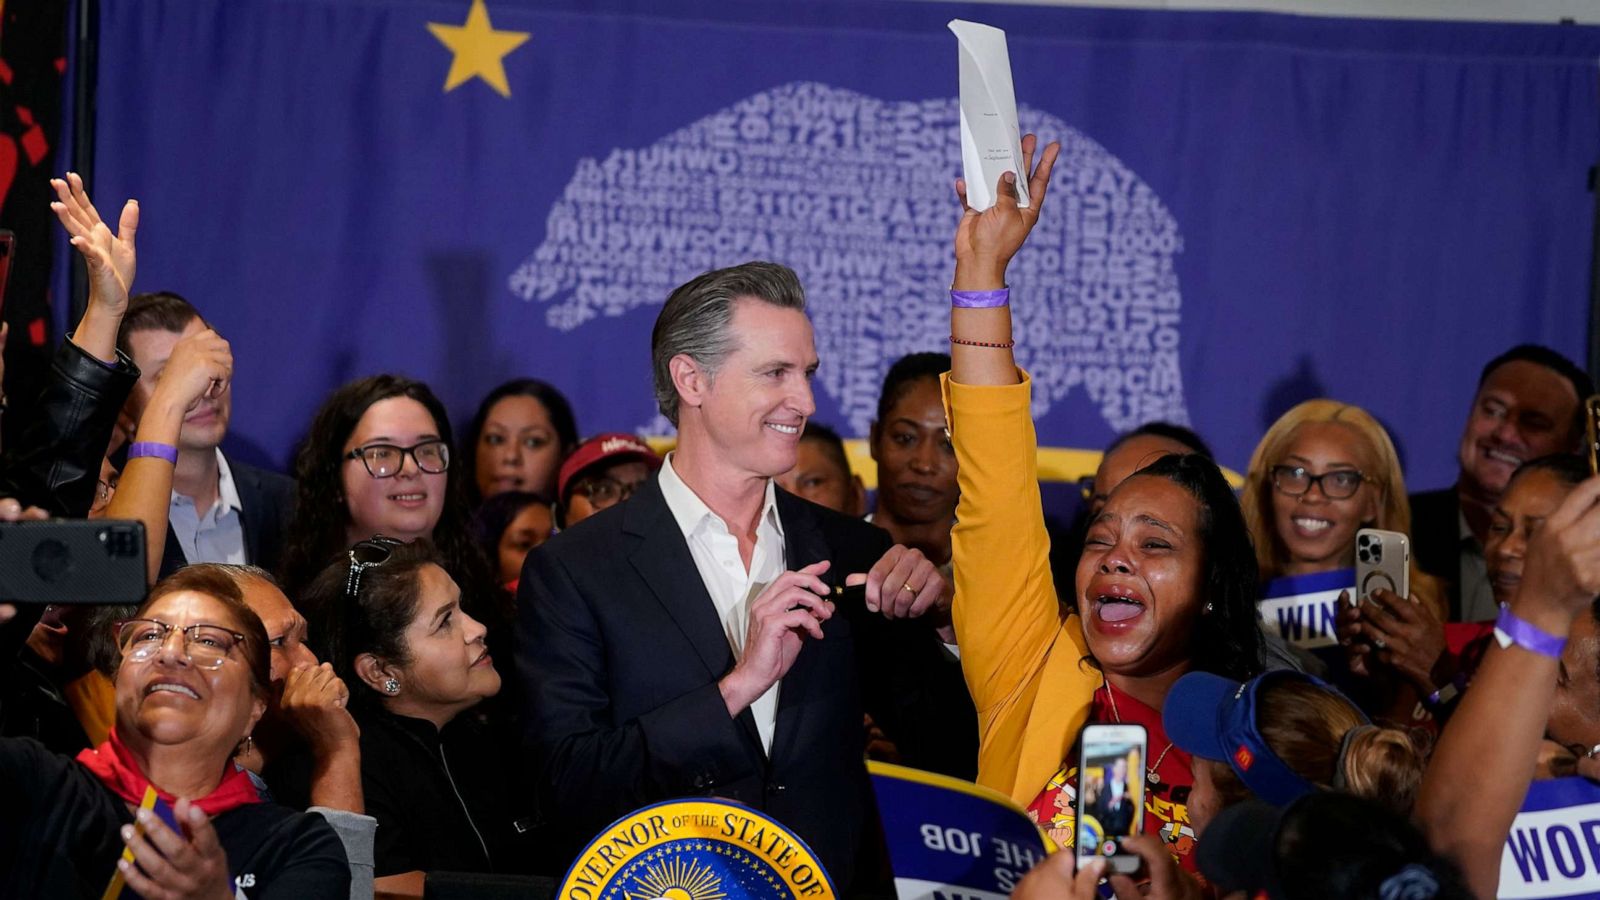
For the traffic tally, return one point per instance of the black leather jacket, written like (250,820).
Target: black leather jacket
(56,463)
(55,466)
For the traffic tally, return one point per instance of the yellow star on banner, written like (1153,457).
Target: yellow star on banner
(479,50)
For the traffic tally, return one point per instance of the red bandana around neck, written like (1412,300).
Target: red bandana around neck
(119,772)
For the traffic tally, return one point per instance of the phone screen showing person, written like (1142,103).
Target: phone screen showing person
(1110,807)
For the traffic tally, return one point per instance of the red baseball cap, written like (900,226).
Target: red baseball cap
(611,447)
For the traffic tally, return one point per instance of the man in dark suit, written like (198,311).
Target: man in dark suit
(1114,807)
(1529,404)
(686,643)
(222,510)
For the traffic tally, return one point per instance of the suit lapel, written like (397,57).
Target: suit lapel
(172,556)
(663,561)
(245,482)
(804,544)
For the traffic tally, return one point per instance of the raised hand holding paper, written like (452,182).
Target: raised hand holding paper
(991,142)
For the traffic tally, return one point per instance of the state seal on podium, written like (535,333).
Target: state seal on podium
(696,850)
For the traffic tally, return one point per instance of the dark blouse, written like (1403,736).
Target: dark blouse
(59,836)
(451,801)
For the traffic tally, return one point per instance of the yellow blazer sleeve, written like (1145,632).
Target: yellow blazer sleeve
(1005,609)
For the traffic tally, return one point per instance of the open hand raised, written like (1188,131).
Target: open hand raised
(110,257)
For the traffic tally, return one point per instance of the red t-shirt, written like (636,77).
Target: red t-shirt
(1166,811)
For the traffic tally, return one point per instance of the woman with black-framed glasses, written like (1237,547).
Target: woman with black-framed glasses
(190,687)
(1323,471)
(379,459)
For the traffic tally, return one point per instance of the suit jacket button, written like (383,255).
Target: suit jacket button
(776,788)
(703,781)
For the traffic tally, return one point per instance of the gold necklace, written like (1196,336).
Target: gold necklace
(1150,771)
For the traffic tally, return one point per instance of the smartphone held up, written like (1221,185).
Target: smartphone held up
(1110,805)
(72,561)
(1383,563)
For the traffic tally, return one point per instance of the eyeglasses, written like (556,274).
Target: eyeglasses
(1338,484)
(204,645)
(367,554)
(385,460)
(603,491)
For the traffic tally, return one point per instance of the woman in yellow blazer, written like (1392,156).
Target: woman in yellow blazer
(1166,584)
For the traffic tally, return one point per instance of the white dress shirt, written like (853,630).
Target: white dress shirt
(716,555)
(218,536)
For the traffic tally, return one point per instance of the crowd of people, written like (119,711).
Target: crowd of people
(416,660)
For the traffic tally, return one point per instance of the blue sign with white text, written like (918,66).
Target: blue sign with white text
(1301,608)
(951,838)
(1554,847)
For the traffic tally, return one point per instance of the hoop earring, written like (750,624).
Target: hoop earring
(391,686)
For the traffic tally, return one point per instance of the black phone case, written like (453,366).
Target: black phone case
(72,561)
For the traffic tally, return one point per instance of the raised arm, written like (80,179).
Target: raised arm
(110,259)
(1006,614)
(1492,742)
(201,365)
(55,462)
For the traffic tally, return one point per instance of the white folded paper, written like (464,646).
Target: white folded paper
(991,143)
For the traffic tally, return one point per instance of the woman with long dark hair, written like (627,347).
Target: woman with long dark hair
(1166,584)
(518,437)
(379,459)
(438,776)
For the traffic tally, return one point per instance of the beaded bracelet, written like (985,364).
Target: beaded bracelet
(1006,345)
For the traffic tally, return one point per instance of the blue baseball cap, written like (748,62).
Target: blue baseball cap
(1215,718)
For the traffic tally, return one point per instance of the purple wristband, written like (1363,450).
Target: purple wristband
(142,449)
(1508,630)
(980,299)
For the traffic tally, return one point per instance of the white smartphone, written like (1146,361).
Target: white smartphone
(1110,805)
(1383,562)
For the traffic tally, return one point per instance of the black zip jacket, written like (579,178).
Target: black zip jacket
(449,801)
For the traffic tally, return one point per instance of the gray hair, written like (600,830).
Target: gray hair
(243,572)
(695,320)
